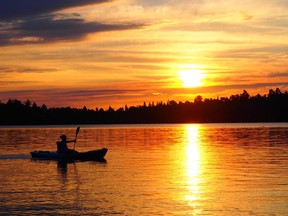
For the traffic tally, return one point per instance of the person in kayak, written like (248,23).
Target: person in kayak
(62,145)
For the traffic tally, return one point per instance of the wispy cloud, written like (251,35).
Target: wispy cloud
(93,98)
(14,69)
(73,97)
(216,90)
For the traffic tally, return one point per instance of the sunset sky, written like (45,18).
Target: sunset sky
(100,53)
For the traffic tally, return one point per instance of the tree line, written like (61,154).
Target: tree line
(271,107)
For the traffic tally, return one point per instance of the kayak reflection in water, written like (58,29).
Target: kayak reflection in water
(62,147)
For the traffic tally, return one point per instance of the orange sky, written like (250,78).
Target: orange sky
(113,53)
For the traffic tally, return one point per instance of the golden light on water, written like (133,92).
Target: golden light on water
(193,163)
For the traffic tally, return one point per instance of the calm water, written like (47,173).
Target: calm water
(214,169)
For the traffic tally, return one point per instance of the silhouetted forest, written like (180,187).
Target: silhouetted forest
(271,107)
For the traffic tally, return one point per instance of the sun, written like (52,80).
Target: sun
(191,77)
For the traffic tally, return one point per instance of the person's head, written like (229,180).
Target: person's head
(63,137)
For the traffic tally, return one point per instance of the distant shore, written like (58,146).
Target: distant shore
(240,108)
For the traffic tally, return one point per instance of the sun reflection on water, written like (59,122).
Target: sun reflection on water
(193,164)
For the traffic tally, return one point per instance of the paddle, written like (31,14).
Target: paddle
(77,131)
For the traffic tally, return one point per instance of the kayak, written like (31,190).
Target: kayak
(70,156)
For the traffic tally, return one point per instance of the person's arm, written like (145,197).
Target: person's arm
(69,141)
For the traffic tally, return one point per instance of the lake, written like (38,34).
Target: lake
(169,169)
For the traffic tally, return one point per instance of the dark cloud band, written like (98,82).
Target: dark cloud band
(16,9)
(38,21)
(48,29)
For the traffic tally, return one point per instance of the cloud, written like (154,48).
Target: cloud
(256,53)
(13,69)
(73,97)
(217,89)
(120,96)
(278,74)
(42,21)
(15,9)
(50,29)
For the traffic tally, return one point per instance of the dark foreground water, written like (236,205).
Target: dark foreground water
(214,169)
